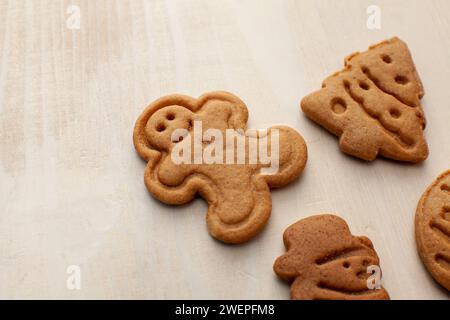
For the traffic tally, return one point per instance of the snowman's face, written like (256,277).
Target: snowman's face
(325,261)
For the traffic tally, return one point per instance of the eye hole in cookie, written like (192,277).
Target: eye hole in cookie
(395,113)
(445,187)
(346,265)
(161,127)
(387,59)
(363,85)
(170,116)
(338,105)
(401,80)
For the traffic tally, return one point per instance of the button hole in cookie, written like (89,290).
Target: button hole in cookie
(161,127)
(387,59)
(395,113)
(170,116)
(338,105)
(401,80)
(346,265)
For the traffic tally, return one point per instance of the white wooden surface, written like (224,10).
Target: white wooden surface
(71,185)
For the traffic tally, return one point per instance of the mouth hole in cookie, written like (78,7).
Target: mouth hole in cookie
(363,85)
(445,187)
(401,80)
(338,105)
(170,116)
(395,113)
(161,127)
(387,59)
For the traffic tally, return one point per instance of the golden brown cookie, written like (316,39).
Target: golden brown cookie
(433,229)
(373,105)
(324,261)
(238,194)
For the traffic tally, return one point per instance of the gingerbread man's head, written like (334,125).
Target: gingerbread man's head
(238,193)
(163,123)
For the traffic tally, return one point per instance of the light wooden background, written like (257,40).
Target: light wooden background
(71,185)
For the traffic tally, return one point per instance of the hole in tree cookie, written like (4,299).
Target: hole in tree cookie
(346,85)
(363,85)
(401,80)
(387,59)
(395,113)
(365,70)
(338,105)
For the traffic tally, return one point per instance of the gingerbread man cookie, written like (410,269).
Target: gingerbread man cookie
(373,105)
(236,187)
(324,261)
(433,229)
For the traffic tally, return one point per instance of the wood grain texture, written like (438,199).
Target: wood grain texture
(71,184)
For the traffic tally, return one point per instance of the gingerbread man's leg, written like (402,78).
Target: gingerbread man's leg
(242,206)
(239,207)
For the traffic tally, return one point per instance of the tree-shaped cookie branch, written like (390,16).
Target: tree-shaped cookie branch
(373,105)
(324,261)
(238,193)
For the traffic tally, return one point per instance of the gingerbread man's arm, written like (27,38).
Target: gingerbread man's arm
(293,155)
(174,195)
